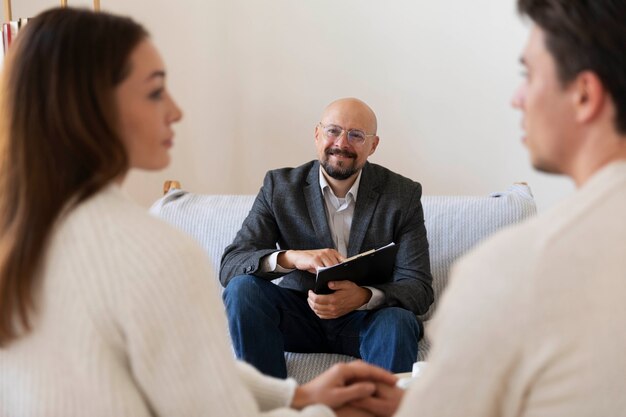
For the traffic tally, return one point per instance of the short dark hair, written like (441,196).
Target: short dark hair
(586,35)
(59,136)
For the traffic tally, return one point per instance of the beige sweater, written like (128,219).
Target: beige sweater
(534,321)
(129,323)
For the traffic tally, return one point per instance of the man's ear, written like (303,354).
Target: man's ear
(316,132)
(374,144)
(589,96)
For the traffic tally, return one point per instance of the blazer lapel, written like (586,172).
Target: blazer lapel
(367,200)
(317,211)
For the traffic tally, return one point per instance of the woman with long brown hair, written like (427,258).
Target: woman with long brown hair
(105,310)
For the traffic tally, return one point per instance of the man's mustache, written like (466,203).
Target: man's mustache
(340,152)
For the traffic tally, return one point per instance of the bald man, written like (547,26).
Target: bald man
(317,215)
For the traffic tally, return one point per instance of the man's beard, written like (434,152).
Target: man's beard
(339,172)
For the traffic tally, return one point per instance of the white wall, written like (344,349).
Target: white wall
(254,76)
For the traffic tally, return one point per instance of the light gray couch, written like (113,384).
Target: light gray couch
(454,225)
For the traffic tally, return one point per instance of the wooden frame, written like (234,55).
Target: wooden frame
(96,4)
(169,185)
(6,9)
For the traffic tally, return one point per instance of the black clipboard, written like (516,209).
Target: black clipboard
(367,268)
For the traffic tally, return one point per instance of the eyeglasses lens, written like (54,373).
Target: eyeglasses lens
(354,136)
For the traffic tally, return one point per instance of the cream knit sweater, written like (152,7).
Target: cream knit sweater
(129,323)
(533,322)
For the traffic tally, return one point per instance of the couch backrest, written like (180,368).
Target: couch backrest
(454,223)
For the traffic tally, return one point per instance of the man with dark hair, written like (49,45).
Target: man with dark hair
(316,215)
(532,323)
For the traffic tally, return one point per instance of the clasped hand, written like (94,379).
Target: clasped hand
(353,389)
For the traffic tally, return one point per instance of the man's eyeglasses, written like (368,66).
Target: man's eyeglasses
(334,132)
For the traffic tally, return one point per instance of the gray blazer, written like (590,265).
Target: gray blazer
(289,213)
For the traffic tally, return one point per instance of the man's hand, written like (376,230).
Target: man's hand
(384,402)
(341,384)
(347,297)
(309,260)
(350,411)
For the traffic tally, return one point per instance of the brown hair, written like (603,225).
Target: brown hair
(58,137)
(586,35)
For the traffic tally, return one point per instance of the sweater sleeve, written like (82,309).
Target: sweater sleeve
(269,392)
(272,393)
(177,342)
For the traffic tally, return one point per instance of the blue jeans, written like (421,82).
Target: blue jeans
(266,320)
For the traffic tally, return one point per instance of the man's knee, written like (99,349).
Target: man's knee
(250,293)
(245,291)
(249,286)
(399,322)
(391,339)
(240,287)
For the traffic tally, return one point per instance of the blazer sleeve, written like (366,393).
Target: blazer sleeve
(256,238)
(411,287)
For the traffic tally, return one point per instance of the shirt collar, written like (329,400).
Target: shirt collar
(353,191)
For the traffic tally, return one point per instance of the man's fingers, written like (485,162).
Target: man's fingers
(328,260)
(326,257)
(341,285)
(323,312)
(333,256)
(361,371)
(349,411)
(384,402)
(378,406)
(354,392)
(331,305)
(322,299)
(373,405)
(309,260)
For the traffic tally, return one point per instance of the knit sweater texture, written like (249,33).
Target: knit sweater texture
(533,321)
(128,322)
